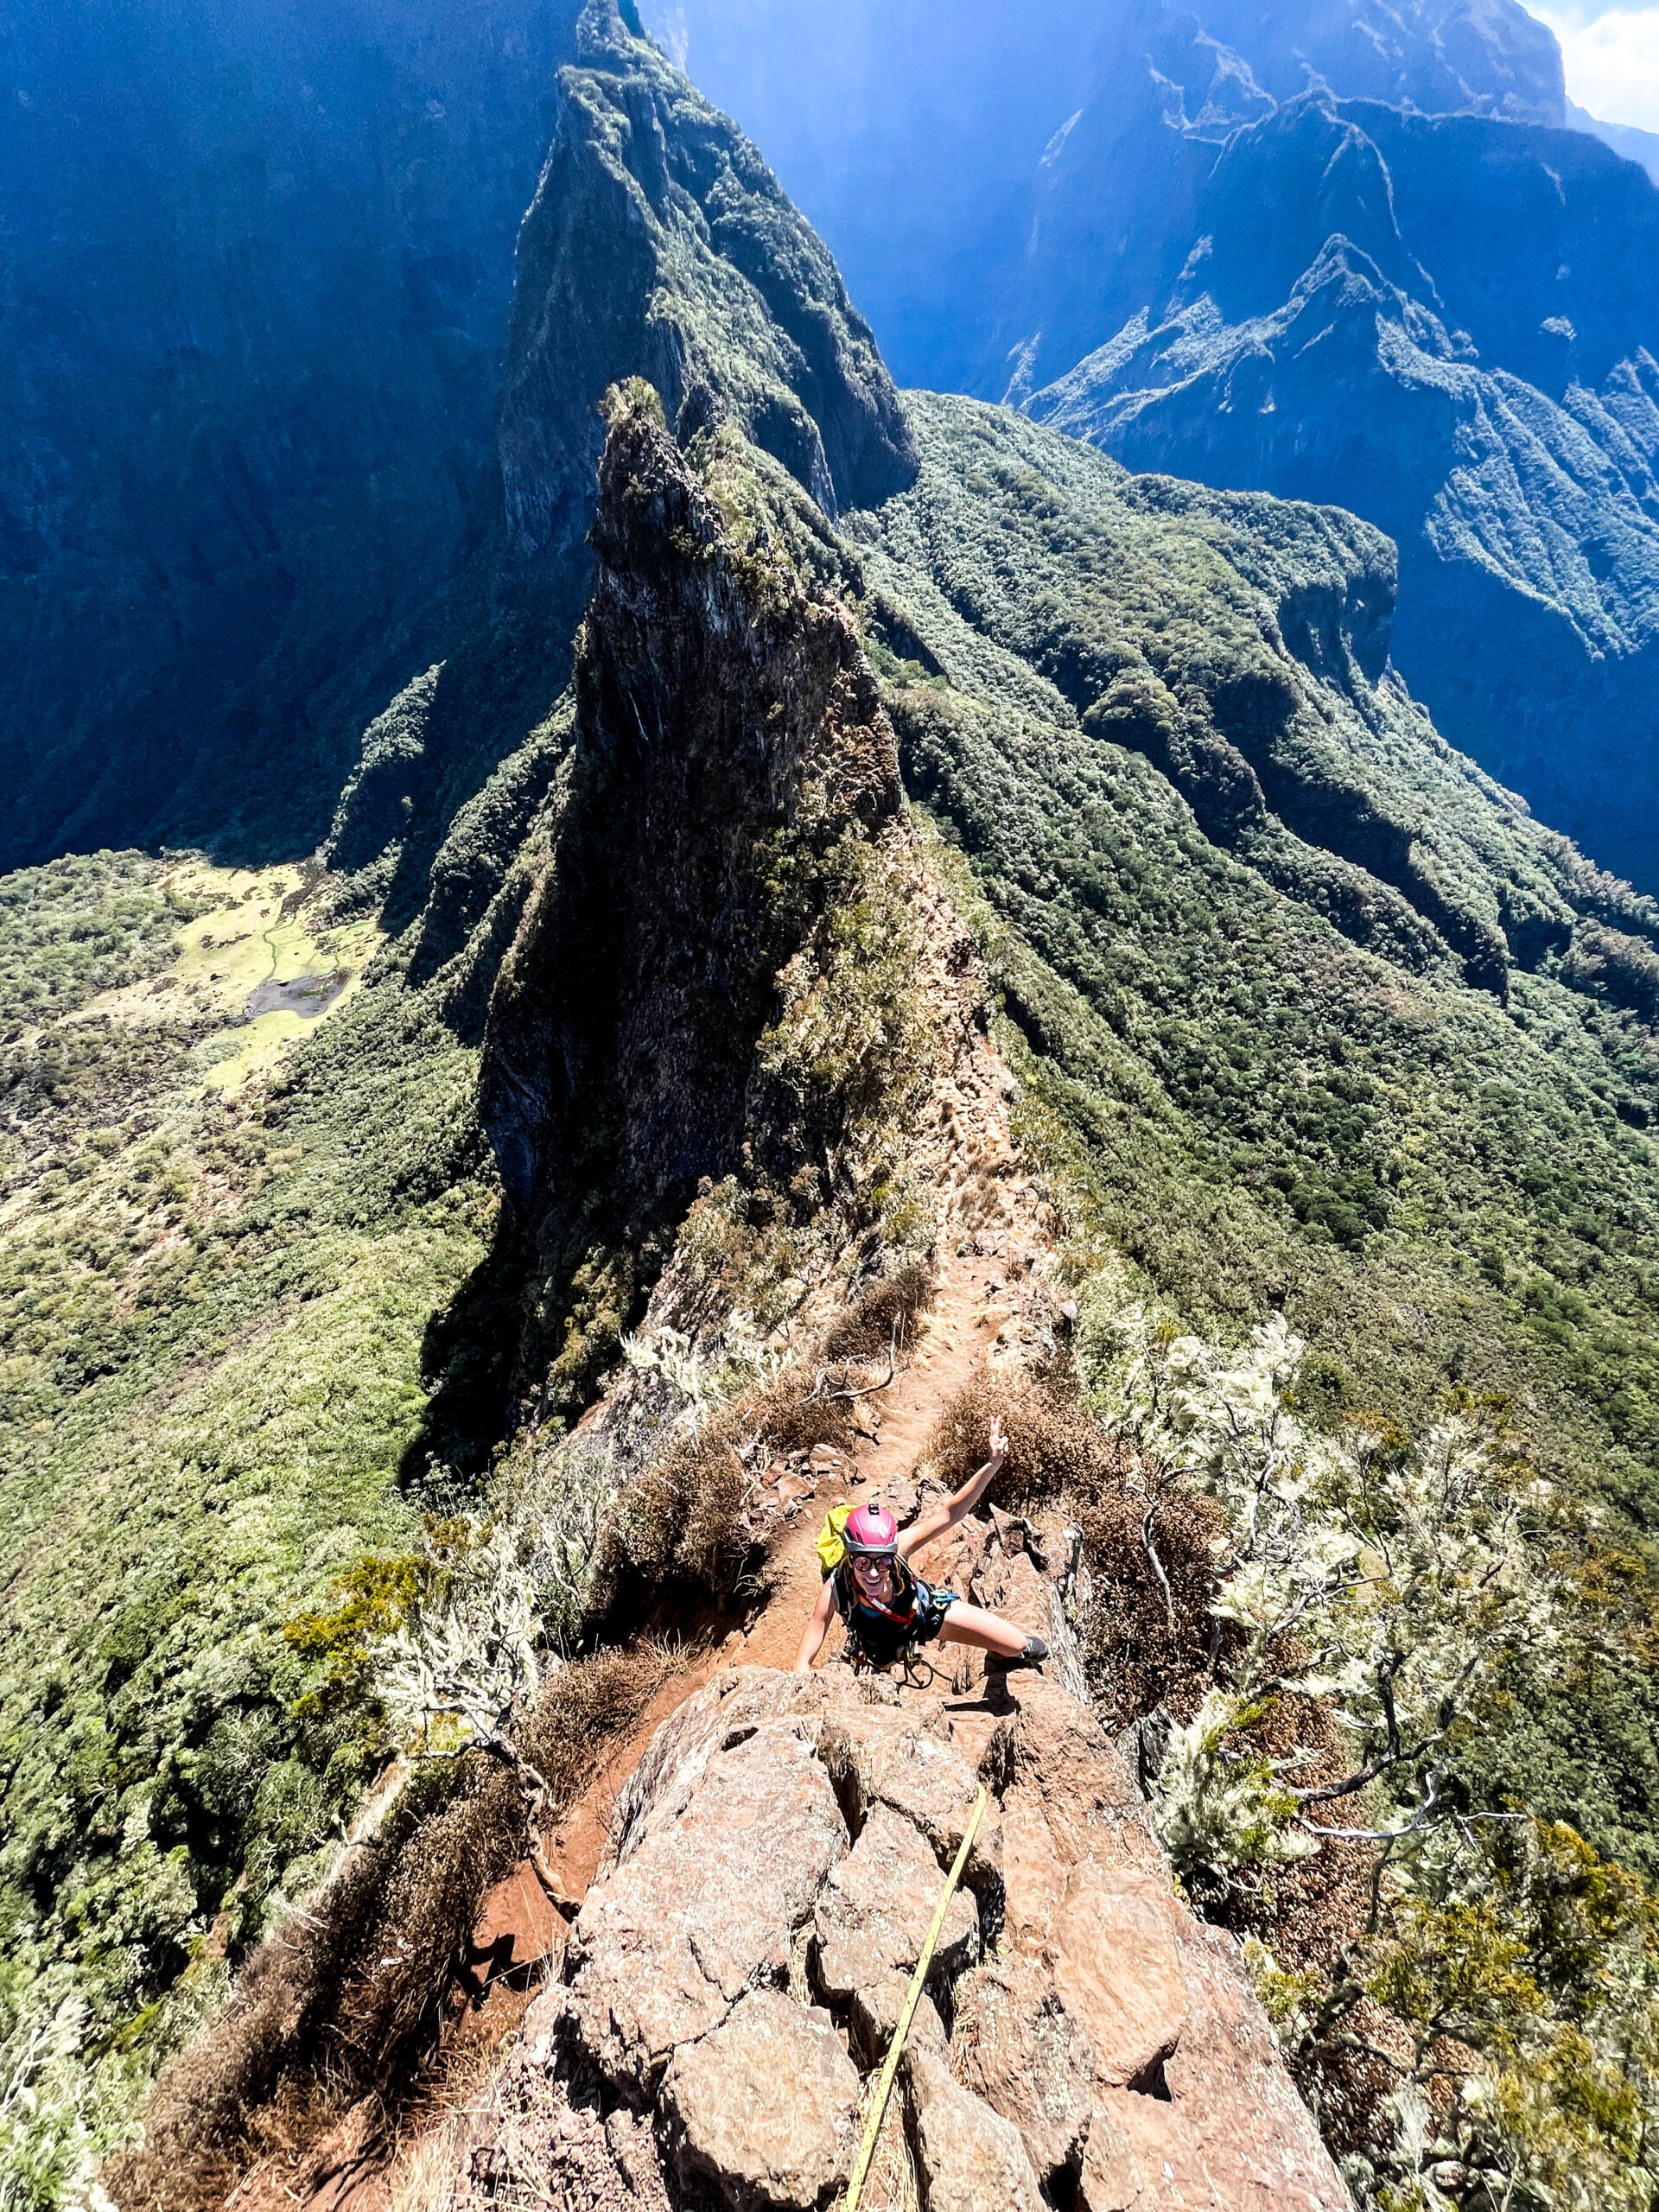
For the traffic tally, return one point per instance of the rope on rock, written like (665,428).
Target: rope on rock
(890,2066)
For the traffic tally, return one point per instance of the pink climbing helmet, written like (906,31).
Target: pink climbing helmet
(872,1530)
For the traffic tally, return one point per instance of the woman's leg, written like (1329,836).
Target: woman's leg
(989,1631)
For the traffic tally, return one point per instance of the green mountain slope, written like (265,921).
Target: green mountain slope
(1269,1067)
(1310,1020)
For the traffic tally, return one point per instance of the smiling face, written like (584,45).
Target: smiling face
(872,1576)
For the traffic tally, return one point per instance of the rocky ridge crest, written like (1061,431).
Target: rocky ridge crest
(736,1971)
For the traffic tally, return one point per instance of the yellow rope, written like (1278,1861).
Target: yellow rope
(884,2087)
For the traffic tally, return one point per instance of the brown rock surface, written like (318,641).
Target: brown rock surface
(920,1773)
(968,2158)
(877,1906)
(1143,2155)
(877,2003)
(731,1840)
(705,1905)
(1015,2044)
(1111,1950)
(765,2107)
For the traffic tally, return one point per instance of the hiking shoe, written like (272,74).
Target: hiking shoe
(1033,1654)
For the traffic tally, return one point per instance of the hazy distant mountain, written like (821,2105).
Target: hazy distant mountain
(1345,253)
(1641,146)
(254,283)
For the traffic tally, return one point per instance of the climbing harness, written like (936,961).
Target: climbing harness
(884,2087)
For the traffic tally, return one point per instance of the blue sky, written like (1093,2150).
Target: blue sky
(1613,58)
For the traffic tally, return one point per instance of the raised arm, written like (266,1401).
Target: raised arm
(818,1627)
(943,1518)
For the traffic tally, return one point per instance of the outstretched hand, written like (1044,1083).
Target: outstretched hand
(999,1440)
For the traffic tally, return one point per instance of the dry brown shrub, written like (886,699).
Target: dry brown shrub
(684,1526)
(868,1328)
(343,1999)
(1142,1649)
(587,1706)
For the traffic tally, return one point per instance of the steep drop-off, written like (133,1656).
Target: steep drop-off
(257,273)
(1036,882)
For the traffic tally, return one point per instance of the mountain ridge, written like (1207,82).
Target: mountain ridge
(1433,141)
(1036,884)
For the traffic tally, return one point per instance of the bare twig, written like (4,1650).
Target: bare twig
(1157,1564)
(819,1396)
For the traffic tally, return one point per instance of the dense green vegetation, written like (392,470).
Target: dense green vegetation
(1438,1189)
(214,1383)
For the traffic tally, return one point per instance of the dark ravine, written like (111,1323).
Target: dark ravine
(258,274)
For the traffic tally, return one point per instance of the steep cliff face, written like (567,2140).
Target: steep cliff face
(257,273)
(658,244)
(728,734)
(1200,994)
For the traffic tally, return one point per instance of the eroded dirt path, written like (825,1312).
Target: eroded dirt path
(951,1345)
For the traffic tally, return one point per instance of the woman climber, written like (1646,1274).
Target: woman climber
(888,1609)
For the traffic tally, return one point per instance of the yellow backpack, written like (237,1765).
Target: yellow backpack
(832,1539)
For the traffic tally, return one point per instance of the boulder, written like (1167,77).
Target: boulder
(876,2004)
(877,1906)
(1144,2155)
(1227,2068)
(968,2158)
(1067,1797)
(765,2107)
(1015,2045)
(1112,1953)
(917,1772)
(705,1905)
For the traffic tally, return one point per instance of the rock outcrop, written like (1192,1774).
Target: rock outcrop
(659,244)
(711,689)
(771,1862)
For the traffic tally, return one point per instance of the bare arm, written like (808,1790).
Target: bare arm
(818,1627)
(943,1518)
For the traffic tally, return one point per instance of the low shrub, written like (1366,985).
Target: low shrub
(344,1997)
(884,1316)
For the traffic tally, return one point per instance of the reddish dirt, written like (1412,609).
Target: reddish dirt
(951,1343)
(521,1932)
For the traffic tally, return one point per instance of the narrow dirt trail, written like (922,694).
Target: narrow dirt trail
(951,1343)
(986,1301)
